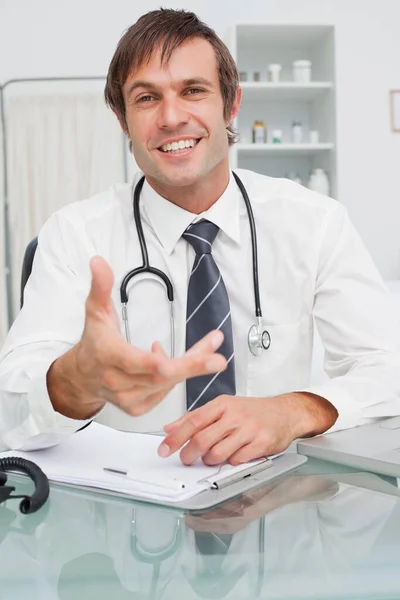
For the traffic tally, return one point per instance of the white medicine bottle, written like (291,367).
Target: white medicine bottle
(319,182)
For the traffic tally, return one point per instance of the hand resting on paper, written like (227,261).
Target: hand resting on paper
(238,429)
(102,367)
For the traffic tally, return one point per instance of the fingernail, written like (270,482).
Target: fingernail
(217,340)
(214,364)
(164,450)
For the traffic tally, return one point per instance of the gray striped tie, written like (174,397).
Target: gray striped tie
(207,309)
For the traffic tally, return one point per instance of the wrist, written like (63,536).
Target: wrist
(66,390)
(313,414)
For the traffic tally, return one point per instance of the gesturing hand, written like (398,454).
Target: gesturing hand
(103,367)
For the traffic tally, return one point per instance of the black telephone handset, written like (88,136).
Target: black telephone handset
(32,503)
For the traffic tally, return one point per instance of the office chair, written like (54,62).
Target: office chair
(27,266)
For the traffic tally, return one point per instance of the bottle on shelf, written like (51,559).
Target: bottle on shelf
(297,132)
(274,72)
(259,132)
(319,182)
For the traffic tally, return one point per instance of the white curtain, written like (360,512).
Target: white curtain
(3,293)
(61,148)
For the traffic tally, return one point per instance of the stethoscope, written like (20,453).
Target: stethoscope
(156,557)
(258,339)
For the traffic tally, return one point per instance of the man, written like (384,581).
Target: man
(174,88)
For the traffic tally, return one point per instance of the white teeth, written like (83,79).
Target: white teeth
(181,145)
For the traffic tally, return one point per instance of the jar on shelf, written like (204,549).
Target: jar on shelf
(277,136)
(319,182)
(259,132)
(302,71)
(274,72)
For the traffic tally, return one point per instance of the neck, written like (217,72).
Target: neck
(197,197)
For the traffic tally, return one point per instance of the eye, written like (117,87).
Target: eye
(192,91)
(145,99)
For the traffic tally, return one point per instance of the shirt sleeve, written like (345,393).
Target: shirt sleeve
(49,324)
(359,325)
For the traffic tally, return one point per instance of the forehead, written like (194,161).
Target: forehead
(194,58)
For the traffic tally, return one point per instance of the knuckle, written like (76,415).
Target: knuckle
(201,442)
(109,379)
(194,420)
(216,455)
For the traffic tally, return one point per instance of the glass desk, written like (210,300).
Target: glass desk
(323,531)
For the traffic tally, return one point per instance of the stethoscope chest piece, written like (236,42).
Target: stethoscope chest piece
(258,339)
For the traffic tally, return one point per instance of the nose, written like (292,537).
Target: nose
(172,114)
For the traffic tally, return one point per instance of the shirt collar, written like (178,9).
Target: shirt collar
(169,221)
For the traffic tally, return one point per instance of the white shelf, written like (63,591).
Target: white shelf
(280,150)
(313,104)
(284,90)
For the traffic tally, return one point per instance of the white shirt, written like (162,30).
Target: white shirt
(312,266)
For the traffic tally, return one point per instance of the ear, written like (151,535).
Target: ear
(236,104)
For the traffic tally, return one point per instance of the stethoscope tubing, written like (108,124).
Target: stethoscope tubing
(257,338)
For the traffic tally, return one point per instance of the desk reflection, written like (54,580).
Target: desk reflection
(297,536)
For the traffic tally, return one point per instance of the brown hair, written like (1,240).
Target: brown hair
(167,28)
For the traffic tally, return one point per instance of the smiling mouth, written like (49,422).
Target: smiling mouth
(181,147)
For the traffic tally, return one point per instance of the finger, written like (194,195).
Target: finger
(138,401)
(169,427)
(156,398)
(193,365)
(212,341)
(201,359)
(133,360)
(99,297)
(225,448)
(246,453)
(117,380)
(192,423)
(158,349)
(203,443)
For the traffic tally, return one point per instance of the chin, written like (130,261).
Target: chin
(180,179)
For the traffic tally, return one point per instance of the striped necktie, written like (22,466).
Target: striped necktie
(207,309)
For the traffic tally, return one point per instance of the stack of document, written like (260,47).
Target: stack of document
(128,463)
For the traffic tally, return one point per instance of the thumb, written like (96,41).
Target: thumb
(99,298)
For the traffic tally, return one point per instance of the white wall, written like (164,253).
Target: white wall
(78,37)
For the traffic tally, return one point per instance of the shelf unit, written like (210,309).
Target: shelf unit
(254,47)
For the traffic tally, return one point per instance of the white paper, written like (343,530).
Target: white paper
(81,459)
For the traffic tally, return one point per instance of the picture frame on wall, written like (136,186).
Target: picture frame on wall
(395,110)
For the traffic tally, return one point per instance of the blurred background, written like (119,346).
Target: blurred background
(321,105)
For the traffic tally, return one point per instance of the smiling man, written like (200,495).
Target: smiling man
(174,88)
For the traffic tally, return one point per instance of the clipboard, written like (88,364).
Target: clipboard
(81,463)
(209,498)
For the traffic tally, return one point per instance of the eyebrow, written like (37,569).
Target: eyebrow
(149,85)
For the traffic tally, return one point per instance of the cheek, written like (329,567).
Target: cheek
(139,131)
